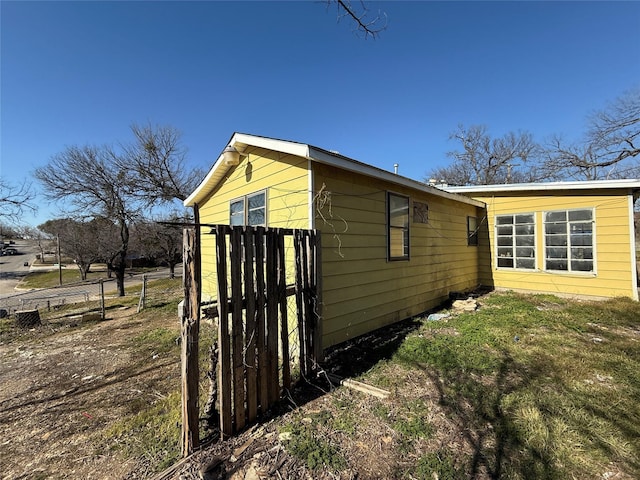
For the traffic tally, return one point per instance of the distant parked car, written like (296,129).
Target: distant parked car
(10,251)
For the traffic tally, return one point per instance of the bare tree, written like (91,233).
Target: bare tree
(484,160)
(366,24)
(116,184)
(92,180)
(15,200)
(43,239)
(609,148)
(160,241)
(157,161)
(81,240)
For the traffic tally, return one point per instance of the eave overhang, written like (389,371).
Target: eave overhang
(245,143)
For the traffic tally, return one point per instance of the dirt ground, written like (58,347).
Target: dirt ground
(63,384)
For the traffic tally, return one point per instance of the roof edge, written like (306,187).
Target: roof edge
(242,142)
(631,183)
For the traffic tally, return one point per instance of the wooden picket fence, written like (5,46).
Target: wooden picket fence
(254,352)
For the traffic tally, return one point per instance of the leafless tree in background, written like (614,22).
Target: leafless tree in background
(157,161)
(484,160)
(93,182)
(609,148)
(117,184)
(366,24)
(15,200)
(160,241)
(83,241)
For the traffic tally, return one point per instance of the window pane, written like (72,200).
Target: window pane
(525,241)
(505,262)
(582,265)
(505,252)
(504,220)
(236,214)
(524,218)
(581,240)
(505,230)
(581,227)
(524,229)
(580,215)
(525,252)
(555,240)
(503,241)
(397,242)
(256,217)
(472,230)
(556,265)
(398,233)
(529,263)
(256,201)
(399,211)
(558,228)
(556,252)
(582,253)
(555,217)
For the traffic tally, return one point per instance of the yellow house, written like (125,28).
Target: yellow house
(567,238)
(392,247)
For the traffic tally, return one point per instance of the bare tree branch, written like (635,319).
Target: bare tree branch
(609,147)
(15,200)
(369,27)
(157,160)
(484,160)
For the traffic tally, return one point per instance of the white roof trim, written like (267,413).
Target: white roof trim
(242,141)
(633,184)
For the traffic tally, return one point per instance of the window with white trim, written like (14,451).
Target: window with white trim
(516,241)
(568,238)
(249,210)
(397,227)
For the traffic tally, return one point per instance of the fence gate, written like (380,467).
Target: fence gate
(261,331)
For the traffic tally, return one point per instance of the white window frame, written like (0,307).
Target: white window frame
(500,249)
(569,245)
(245,208)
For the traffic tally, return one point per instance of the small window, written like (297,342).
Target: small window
(249,210)
(568,238)
(516,241)
(472,231)
(398,227)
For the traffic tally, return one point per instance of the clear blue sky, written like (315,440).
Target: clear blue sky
(75,73)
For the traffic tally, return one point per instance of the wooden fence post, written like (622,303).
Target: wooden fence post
(190,331)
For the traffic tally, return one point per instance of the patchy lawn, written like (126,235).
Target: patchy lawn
(525,387)
(72,391)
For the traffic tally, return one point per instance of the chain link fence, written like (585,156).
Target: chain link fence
(75,298)
(85,297)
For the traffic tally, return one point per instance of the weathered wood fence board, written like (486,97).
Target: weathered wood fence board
(254,350)
(190,328)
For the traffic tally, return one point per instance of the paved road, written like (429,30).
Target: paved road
(12,270)
(12,267)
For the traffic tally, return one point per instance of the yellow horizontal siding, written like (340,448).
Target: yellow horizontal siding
(361,289)
(613,267)
(286,181)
